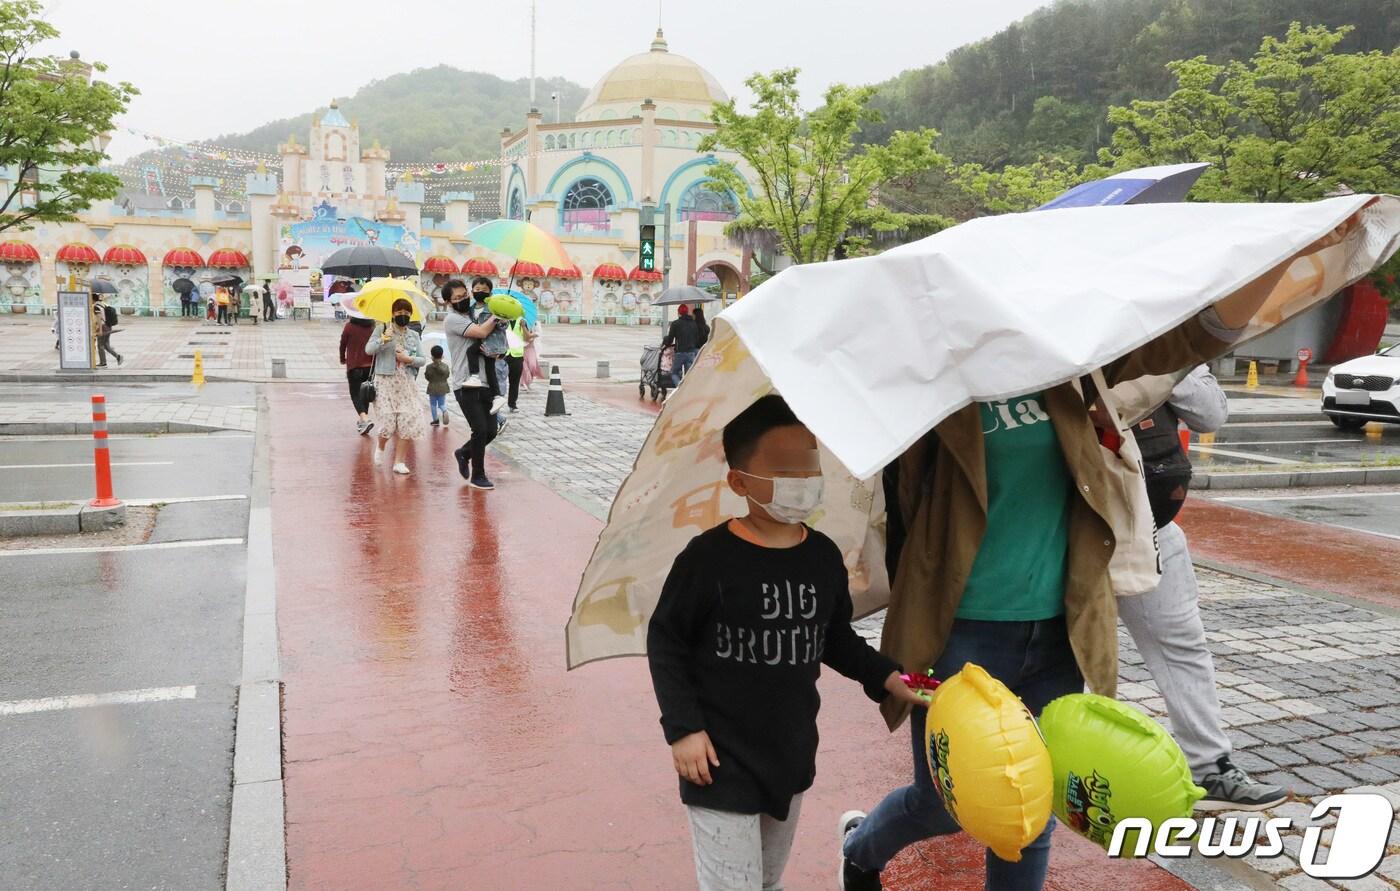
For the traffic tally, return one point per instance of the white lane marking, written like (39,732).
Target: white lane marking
(1244,456)
(1308,497)
(188,499)
(116,549)
(84,464)
(1361,441)
(88,700)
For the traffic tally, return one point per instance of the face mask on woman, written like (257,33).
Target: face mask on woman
(402,319)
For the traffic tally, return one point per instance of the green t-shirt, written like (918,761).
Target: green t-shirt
(1019,572)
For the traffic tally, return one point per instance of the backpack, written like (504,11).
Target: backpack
(110,314)
(1166,467)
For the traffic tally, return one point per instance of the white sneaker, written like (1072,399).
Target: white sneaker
(401,468)
(378,456)
(473,381)
(497,404)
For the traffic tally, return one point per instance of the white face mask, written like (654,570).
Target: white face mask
(794,498)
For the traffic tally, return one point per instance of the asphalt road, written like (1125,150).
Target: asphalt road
(1366,510)
(1297,442)
(130,793)
(60,468)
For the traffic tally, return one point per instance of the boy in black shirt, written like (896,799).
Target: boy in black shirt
(750,611)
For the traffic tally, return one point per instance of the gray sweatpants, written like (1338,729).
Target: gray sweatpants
(741,852)
(1166,626)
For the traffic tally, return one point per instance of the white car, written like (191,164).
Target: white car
(1362,390)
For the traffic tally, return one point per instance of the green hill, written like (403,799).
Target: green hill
(1043,84)
(431,114)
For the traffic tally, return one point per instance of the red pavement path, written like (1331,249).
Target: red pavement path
(1326,558)
(432,736)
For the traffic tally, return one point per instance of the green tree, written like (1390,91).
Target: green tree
(1021,187)
(814,185)
(52,120)
(1295,123)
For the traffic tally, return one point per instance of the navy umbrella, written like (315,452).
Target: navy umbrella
(368,261)
(1146,185)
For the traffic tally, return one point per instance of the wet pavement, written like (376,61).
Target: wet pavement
(1273,445)
(1375,511)
(130,789)
(434,740)
(60,468)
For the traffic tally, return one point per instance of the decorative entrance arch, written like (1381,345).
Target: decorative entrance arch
(731,281)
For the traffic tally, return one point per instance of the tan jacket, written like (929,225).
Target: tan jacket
(937,495)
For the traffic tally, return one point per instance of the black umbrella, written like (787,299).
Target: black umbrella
(183,286)
(683,294)
(102,286)
(368,261)
(228,278)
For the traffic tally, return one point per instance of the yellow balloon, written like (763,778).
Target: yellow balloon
(988,761)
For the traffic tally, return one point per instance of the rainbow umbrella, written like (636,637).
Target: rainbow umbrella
(522,241)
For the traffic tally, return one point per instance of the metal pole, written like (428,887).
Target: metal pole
(665,261)
(532,55)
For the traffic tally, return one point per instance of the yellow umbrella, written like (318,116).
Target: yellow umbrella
(376,298)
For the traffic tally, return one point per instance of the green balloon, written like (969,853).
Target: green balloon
(505,306)
(1110,762)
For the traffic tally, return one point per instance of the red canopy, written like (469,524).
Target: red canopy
(526,269)
(124,255)
(18,252)
(479,266)
(440,264)
(227,258)
(638,274)
(569,272)
(77,253)
(610,272)
(183,257)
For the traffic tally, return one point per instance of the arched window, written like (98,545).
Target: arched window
(175,204)
(586,205)
(549,143)
(612,137)
(626,137)
(669,138)
(587,139)
(701,203)
(234,207)
(516,207)
(668,113)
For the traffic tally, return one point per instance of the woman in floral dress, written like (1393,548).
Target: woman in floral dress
(397,351)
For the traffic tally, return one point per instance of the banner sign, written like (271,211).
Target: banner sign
(74,329)
(306,245)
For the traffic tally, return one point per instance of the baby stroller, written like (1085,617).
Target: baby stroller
(656,371)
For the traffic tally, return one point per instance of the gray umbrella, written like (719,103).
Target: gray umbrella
(368,261)
(683,294)
(183,286)
(228,278)
(102,286)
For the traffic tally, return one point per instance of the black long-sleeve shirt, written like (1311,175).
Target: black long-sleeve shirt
(736,646)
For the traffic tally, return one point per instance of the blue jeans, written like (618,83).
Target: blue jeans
(1034,660)
(438,403)
(681,364)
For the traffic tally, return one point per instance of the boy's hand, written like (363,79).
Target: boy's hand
(693,756)
(901,692)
